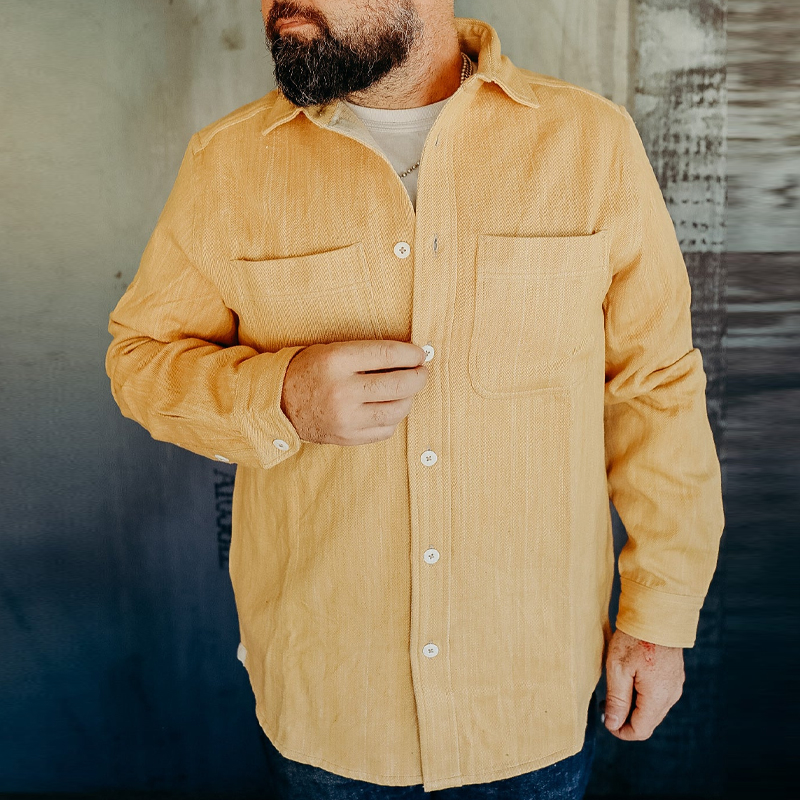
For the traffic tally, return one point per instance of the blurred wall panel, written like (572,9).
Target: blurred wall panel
(764,81)
(762,605)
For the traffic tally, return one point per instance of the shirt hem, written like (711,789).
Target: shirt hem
(345,772)
(502,773)
(454,781)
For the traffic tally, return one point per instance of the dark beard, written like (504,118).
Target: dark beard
(314,71)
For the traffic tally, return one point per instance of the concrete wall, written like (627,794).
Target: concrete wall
(115,607)
(115,602)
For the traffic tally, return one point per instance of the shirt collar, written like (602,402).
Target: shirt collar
(478,40)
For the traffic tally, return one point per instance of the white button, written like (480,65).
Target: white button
(431,556)
(430,650)
(241,653)
(430,351)
(402,249)
(429,458)
(222,458)
(280,444)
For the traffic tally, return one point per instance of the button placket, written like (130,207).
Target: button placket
(434,281)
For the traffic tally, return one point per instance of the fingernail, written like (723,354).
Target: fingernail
(613,722)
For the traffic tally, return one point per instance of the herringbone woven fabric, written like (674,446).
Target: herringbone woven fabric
(545,272)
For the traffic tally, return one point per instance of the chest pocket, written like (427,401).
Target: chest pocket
(538,311)
(308,299)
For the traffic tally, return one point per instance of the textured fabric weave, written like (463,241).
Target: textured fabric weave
(546,274)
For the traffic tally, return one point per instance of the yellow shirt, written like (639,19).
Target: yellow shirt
(433,608)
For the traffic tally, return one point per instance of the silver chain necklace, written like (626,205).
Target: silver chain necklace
(466,71)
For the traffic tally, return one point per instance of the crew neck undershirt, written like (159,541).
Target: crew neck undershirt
(400,134)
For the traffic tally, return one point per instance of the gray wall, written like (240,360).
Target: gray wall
(116,612)
(115,604)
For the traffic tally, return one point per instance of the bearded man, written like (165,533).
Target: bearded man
(434,308)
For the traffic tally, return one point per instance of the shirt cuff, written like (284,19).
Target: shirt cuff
(653,615)
(258,401)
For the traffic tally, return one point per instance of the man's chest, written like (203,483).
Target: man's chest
(317,242)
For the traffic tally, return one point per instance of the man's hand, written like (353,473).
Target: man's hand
(352,393)
(655,673)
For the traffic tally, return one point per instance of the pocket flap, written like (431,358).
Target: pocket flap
(311,274)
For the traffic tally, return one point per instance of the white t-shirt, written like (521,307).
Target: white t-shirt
(400,134)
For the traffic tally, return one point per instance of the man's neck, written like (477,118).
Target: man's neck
(431,73)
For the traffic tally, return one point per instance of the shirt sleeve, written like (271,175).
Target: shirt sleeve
(175,364)
(661,461)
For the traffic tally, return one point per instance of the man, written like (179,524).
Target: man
(434,308)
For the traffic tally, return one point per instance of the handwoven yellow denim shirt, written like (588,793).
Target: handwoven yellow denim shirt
(433,608)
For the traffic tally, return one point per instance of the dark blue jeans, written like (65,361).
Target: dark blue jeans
(564,780)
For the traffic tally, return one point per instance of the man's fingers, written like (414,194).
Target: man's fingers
(650,709)
(645,718)
(652,706)
(619,693)
(383,354)
(648,714)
